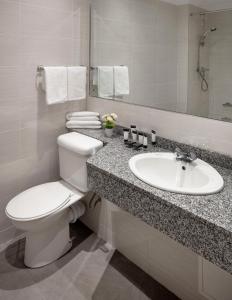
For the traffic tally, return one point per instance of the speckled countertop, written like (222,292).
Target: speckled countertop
(201,223)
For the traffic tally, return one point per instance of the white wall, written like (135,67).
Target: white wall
(34,33)
(206,133)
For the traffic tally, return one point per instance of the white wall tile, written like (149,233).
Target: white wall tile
(34,33)
(9,17)
(39,21)
(54,4)
(9,50)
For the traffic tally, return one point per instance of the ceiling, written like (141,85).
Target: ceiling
(205,4)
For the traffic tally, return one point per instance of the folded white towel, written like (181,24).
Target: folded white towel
(84,123)
(121,81)
(105,81)
(81,114)
(55,84)
(83,118)
(76,83)
(83,126)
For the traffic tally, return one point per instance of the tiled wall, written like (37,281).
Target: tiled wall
(220,64)
(34,32)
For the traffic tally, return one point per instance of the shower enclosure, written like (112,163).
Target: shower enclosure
(210,64)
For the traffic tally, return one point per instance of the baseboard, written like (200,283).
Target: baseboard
(9,235)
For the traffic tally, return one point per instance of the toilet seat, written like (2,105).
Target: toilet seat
(41,201)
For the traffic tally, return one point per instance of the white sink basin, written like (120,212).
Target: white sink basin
(163,171)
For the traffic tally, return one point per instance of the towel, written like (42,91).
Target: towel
(77,124)
(69,115)
(55,84)
(84,123)
(121,81)
(83,127)
(84,118)
(105,81)
(76,83)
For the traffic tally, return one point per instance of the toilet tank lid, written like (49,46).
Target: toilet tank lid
(79,143)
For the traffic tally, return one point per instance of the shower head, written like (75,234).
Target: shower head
(205,34)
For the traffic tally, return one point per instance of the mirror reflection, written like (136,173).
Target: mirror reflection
(164,54)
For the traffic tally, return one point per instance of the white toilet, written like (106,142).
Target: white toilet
(45,211)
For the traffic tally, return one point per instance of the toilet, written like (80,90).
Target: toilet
(45,211)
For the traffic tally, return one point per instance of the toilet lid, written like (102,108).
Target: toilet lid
(39,201)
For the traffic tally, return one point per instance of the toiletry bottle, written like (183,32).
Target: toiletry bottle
(134,135)
(132,127)
(145,141)
(126,134)
(153,137)
(140,138)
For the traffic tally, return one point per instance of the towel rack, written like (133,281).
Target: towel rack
(94,68)
(40,68)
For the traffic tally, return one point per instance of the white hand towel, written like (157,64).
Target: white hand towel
(84,118)
(105,82)
(84,123)
(55,84)
(121,81)
(76,83)
(69,115)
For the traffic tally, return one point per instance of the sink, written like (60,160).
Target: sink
(163,171)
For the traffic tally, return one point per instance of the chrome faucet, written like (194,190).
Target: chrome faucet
(185,156)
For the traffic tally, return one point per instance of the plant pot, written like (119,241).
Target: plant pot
(109,132)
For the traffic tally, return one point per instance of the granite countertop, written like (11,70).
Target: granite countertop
(202,223)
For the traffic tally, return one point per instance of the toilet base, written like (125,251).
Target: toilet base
(46,246)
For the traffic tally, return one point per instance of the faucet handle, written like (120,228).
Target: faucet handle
(192,155)
(178,151)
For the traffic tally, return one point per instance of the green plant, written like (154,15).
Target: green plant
(109,120)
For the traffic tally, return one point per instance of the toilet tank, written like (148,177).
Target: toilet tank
(74,150)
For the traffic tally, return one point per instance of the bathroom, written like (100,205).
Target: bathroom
(108,83)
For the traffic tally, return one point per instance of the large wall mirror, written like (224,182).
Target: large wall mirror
(173,55)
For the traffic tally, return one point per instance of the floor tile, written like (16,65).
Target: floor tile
(91,270)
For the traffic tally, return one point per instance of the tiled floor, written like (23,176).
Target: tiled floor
(91,270)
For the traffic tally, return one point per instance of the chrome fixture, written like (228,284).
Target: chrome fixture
(227,104)
(205,34)
(40,68)
(185,156)
(202,71)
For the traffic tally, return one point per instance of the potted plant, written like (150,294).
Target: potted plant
(109,122)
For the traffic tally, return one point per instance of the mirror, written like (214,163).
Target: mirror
(163,54)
